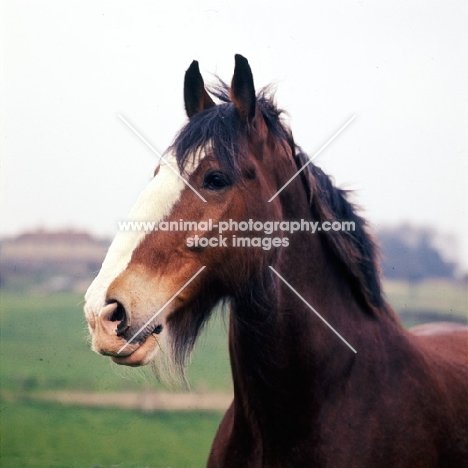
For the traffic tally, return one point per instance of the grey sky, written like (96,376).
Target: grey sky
(69,68)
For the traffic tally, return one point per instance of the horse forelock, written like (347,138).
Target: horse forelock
(221,132)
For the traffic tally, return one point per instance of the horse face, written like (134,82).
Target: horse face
(158,284)
(143,270)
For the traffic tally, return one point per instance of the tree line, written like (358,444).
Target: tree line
(414,253)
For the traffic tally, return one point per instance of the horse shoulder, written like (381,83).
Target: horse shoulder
(445,347)
(443,341)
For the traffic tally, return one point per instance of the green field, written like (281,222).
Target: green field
(48,435)
(44,347)
(428,301)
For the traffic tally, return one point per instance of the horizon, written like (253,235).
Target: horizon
(438,242)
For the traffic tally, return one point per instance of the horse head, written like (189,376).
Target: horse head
(157,287)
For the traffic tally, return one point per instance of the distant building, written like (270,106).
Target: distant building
(41,257)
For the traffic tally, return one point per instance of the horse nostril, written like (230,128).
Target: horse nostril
(118,316)
(119,313)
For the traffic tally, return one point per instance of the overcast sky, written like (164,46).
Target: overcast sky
(70,67)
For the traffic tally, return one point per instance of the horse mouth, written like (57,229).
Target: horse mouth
(143,353)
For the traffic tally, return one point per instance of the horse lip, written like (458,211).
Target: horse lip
(117,353)
(138,356)
(143,335)
(129,348)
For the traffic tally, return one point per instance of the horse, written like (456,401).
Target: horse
(227,220)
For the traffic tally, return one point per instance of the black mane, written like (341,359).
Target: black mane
(221,128)
(356,250)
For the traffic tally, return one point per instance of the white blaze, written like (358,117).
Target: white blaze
(155,203)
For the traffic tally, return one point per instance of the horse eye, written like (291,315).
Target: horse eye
(216,181)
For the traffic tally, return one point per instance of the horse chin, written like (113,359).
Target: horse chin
(142,356)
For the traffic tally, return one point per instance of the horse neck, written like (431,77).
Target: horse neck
(271,321)
(284,358)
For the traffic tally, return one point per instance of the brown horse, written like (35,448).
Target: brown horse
(222,226)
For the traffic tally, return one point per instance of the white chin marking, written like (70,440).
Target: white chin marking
(155,203)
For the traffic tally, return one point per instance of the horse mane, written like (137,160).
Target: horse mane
(356,250)
(220,128)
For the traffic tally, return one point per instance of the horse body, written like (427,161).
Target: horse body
(302,397)
(386,408)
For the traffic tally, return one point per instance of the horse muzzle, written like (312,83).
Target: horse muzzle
(112,336)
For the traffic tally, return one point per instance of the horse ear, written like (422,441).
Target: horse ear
(195,96)
(243,90)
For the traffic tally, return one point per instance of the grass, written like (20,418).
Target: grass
(45,341)
(43,435)
(429,300)
(45,347)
